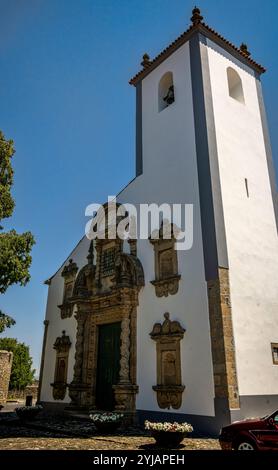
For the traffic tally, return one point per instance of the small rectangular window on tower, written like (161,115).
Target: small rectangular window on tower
(274,349)
(246,186)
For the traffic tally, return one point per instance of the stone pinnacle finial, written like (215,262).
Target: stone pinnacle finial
(146,60)
(196,16)
(244,49)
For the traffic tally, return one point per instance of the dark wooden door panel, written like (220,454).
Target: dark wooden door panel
(108,364)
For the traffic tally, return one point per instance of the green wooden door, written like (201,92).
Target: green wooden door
(108,364)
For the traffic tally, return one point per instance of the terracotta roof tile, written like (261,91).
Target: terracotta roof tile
(184,37)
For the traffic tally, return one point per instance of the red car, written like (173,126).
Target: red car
(251,434)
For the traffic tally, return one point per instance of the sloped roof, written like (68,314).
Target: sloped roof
(198,25)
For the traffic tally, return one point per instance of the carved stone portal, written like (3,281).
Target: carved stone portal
(169,388)
(105,293)
(166,261)
(62,346)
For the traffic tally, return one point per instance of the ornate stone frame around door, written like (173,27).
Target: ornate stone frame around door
(106,292)
(83,387)
(102,306)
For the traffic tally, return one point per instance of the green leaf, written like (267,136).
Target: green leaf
(15,258)
(5,321)
(22,372)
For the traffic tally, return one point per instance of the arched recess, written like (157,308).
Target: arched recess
(235,85)
(166,94)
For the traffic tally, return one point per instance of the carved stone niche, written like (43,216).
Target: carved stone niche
(69,274)
(62,346)
(166,261)
(169,388)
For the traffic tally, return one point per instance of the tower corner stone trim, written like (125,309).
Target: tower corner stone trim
(222,339)
(6,359)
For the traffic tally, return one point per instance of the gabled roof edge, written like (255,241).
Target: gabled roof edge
(183,38)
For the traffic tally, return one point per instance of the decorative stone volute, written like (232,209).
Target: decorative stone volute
(169,388)
(62,343)
(167,328)
(69,274)
(167,279)
(70,269)
(62,346)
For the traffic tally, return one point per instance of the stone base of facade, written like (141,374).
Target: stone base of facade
(252,406)
(204,426)
(125,395)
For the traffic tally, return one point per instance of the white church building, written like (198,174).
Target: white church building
(190,335)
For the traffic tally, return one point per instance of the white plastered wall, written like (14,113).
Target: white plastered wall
(250,225)
(169,175)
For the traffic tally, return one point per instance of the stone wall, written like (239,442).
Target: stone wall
(22,394)
(6,359)
(222,339)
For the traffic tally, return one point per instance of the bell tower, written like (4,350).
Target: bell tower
(202,138)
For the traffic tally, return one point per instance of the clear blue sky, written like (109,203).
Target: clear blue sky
(66,102)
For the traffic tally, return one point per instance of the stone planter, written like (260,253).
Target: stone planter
(168,438)
(29,414)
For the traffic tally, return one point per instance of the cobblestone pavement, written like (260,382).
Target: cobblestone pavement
(71,434)
(116,442)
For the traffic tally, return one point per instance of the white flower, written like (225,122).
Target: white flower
(168,427)
(29,408)
(106,417)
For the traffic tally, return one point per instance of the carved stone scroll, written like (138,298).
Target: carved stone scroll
(166,261)
(62,346)
(69,274)
(169,388)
